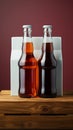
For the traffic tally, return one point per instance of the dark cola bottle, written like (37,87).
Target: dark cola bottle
(47,66)
(28,66)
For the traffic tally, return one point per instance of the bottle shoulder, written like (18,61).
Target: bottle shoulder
(26,60)
(48,60)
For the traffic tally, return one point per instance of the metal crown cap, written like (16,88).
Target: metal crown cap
(27,26)
(47,26)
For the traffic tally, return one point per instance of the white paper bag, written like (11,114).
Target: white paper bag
(16,50)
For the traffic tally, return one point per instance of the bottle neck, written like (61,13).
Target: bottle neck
(27,41)
(28,48)
(47,40)
(27,35)
(47,36)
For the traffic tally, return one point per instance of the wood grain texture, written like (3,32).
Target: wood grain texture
(15,104)
(37,107)
(36,122)
(35,113)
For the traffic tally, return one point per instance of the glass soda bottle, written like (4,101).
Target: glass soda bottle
(47,66)
(28,66)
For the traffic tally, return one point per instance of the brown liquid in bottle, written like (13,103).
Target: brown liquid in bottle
(28,72)
(47,72)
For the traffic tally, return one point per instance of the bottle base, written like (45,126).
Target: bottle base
(26,96)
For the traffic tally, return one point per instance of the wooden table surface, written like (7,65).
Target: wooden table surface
(35,113)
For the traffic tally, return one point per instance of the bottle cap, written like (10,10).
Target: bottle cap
(47,26)
(27,26)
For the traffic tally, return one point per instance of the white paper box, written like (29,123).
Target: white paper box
(16,50)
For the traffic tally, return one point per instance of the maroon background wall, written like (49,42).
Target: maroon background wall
(15,13)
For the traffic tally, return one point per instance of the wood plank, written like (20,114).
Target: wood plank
(5,92)
(35,113)
(37,122)
(8,98)
(37,107)
(8,92)
(15,104)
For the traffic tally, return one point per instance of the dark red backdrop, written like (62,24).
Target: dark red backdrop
(15,13)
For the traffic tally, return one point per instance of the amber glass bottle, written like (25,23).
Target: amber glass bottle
(47,66)
(28,66)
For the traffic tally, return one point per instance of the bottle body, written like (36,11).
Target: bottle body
(47,71)
(28,67)
(47,74)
